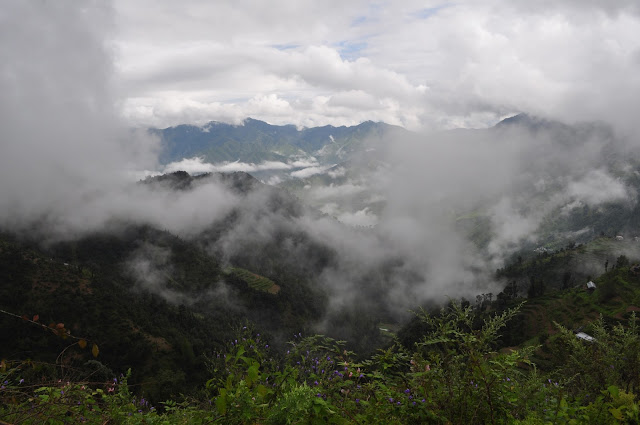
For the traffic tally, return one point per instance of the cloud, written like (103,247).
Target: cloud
(68,156)
(355,99)
(197,165)
(597,187)
(337,172)
(333,191)
(423,65)
(512,226)
(194,165)
(60,133)
(363,217)
(250,167)
(150,267)
(303,163)
(310,171)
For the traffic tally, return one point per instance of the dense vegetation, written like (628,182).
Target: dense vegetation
(136,325)
(453,374)
(162,325)
(456,365)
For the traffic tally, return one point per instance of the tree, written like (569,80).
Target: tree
(536,288)
(460,372)
(622,261)
(612,358)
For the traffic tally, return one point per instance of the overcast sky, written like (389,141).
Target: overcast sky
(420,64)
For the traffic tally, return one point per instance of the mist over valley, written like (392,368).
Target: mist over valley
(159,203)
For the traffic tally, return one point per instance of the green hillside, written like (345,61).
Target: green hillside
(457,371)
(257,282)
(163,332)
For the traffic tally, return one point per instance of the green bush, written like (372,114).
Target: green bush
(454,374)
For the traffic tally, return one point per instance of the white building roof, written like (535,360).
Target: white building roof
(584,336)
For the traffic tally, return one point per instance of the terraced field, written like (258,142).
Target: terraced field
(255,281)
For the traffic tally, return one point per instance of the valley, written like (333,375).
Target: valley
(163,299)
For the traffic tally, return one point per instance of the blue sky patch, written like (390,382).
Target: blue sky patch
(285,46)
(350,50)
(428,12)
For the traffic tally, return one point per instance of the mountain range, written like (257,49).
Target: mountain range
(391,221)
(256,141)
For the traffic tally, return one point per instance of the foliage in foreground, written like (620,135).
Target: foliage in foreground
(453,375)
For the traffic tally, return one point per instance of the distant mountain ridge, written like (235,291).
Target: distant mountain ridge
(257,141)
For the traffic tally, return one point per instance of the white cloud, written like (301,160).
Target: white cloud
(597,187)
(334,191)
(363,217)
(190,165)
(273,180)
(197,165)
(511,226)
(338,172)
(309,171)
(422,65)
(303,163)
(228,167)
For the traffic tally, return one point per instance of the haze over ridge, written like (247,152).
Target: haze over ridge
(68,154)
